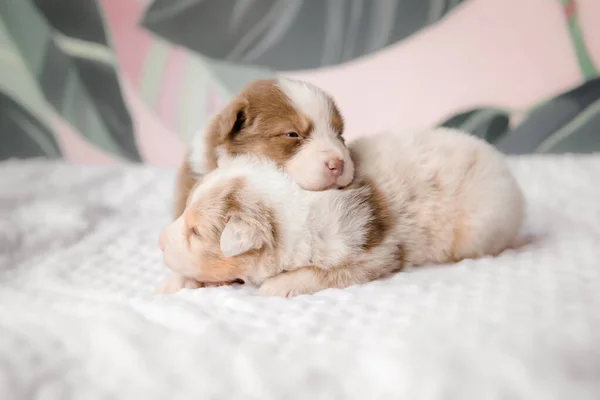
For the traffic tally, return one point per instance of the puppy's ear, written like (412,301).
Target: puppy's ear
(245,233)
(231,120)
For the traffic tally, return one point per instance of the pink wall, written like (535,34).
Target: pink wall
(505,53)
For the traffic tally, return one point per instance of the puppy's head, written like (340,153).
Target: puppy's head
(294,123)
(224,232)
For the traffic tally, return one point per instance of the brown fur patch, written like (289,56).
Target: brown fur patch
(272,221)
(211,209)
(231,202)
(381,218)
(461,237)
(258,121)
(223,269)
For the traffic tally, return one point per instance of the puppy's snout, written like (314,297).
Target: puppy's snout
(336,166)
(162,240)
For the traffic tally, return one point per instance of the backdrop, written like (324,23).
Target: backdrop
(105,81)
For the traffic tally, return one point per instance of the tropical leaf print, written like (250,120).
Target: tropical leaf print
(569,122)
(588,69)
(273,33)
(23,135)
(24,118)
(580,135)
(65,48)
(486,123)
(181,89)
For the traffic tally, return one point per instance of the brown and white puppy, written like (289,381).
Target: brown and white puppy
(293,123)
(430,197)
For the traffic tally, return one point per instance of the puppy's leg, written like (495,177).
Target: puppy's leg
(183,186)
(378,263)
(176,282)
(303,280)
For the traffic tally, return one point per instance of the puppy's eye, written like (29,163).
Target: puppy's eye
(293,135)
(342,139)
(194,231)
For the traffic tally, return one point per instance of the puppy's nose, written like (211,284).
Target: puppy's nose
(336,166)
(162,241)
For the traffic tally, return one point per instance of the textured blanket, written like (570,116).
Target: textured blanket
(80,319)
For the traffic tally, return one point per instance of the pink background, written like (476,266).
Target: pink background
(506,53)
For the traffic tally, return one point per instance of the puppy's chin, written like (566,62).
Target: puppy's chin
(319,185)
(322,187)
(344,180)
(180,268)
(325,184)
(339,184)
(317,181)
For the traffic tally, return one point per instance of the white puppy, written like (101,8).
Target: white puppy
(431,197)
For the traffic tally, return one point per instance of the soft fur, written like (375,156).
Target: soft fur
(430,197)
(294,123)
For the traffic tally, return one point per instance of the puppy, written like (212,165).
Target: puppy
(294,123)
(431,197)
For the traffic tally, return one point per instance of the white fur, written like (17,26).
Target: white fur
(308,99)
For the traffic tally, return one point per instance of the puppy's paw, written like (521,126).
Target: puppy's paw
(217,284)
(287,284)
(176,282)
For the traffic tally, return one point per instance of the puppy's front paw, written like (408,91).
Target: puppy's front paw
(287,284)
(176,282)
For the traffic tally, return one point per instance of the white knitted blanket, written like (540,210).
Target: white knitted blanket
(79,317)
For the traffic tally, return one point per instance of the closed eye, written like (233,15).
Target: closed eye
(194,232)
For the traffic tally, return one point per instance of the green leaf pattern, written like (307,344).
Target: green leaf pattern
(74,77)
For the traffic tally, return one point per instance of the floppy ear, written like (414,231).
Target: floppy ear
(230,121)
(244,234)
(225,125)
